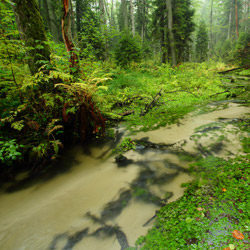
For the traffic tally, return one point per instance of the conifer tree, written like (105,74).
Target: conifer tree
(201,42)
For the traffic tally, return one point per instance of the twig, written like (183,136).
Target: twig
(129,112)
(151,104)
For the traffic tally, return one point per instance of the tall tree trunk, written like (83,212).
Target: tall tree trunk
(30,24)
(211,25)
(164,45)
(230,22)
(112,22)
(132,17)
(170,30)
(236,19)
(143,19)
(102,12)
(124,14)
(67,34)
(103,26)
(46,12)
(53,22)
(78,15)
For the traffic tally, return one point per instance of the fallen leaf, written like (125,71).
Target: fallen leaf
(200,208)
(228,248)
(198,219)
(223,189)
(238,235)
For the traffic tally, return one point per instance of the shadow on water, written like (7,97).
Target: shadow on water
(49,169)
(72,240)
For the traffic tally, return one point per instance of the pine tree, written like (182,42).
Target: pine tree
(201,47)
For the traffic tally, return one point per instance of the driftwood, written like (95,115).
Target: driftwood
(151,104)
(126,113)
(229,70)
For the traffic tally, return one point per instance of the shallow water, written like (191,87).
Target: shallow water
(91,203)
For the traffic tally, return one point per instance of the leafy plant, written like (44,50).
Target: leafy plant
(10,151)
(128,50)
(126,145)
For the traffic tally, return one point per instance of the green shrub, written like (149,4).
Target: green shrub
(128,50)
(9,151)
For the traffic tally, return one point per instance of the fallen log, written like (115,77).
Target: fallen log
(229,70)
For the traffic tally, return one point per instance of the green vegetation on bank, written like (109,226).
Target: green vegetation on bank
(41,113)
(213,213)
(148,96)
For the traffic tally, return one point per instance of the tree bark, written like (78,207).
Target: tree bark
(132,17)
(236,19)
(230,23)
(67,34)
(170,30)
(211,25)
(52,21)
(78,15)
(124,14)
(30,25)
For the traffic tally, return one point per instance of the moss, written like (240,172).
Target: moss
(30,25)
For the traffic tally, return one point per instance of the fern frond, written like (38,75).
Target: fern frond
(54,129)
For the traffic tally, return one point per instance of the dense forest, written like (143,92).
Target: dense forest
(71,70)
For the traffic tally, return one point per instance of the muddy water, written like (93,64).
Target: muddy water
(92,203)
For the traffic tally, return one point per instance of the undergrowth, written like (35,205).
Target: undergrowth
(170,92)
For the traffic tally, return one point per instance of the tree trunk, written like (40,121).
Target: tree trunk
(143,18)
(170,30)
(78,15)
(124,14)
(30,24)
(229,23)
(132,17)
(236,19)
(211,26)
(102,12)
(47,16)
(67,34)
(52,20)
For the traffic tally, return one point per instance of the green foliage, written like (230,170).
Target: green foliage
(92,40)
(202,42)
(126,145)
(128,50)
(183,26)
(10,152)
(243,49)
(210,210)
(182,88)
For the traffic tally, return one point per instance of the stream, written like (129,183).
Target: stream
(89,201)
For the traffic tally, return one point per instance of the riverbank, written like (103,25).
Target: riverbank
(213,213)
